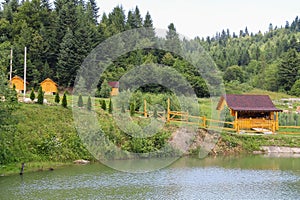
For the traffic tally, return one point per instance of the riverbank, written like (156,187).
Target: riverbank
(45,138)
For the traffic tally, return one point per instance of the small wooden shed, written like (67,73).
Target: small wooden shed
(49,86)
(114,88)
(18,82)
(251,111)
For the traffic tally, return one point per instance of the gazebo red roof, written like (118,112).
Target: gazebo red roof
(255,103)
(114,84)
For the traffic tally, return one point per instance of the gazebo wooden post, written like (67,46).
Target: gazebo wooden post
(236,122)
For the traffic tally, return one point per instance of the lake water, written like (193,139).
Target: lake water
(244,177)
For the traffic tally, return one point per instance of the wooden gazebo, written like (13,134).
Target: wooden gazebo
(114,88)
(251,111)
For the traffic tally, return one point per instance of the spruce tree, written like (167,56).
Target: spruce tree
(57,98)
(40,97)
(64,102)
(32,95)
(89,104)
(110,108)
(80,101)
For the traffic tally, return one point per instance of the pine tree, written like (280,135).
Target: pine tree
(89,104)
(57,98)
(64,102)
(40,97)
(110,107)
(80,101)
(148,23)
(95,10)
(288,70)
(66,70)
(32,95)
(172,39)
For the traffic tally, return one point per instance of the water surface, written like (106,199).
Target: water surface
(250,177)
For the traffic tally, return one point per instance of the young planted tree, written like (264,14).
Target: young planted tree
(40,98)
(132,109)
(64,102)
(103,104)
(89,104)
(57,98)
(32,95)
(110,107)
(80,101)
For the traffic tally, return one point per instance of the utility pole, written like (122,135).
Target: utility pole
(10,71)
(25,72)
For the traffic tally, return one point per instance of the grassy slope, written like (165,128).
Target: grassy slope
(45,136)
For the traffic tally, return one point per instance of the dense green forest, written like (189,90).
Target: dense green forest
(60,36)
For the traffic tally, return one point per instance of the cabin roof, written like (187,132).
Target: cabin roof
(114,84)
(17,77)
(255,103)
(48,79)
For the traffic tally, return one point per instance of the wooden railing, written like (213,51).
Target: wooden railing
(257,123)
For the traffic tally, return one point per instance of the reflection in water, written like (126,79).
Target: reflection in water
(248,177)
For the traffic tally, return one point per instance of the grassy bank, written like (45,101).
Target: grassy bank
(44,137)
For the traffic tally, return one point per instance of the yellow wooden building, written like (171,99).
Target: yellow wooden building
(18,82)
(114,88)
(49,86)
(251,111)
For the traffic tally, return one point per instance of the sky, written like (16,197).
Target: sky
(206,17)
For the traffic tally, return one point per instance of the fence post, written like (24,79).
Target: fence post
(204,121)
(168,110)
(145,108)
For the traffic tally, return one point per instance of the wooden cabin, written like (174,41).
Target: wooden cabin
(49,86)
(255,112)
(114,88)
(18,82)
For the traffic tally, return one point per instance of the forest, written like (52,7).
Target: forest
(61,34)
